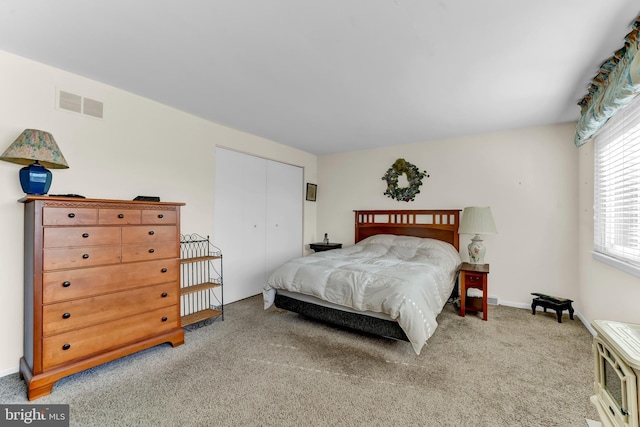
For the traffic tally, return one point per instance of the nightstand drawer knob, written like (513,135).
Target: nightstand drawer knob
(120,216)
(164,319)
(85,235)
(66,284)
(85,256)
(66,315)
(151,233)
(160,216)
(474,278)
(71,215)
(151,251)
(66,346)
(164,270)
(164,295)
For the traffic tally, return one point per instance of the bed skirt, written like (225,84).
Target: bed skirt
(357,322)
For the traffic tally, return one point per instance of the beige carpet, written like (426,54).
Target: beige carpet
(275,368)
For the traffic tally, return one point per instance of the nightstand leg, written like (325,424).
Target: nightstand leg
(485,298)
(463,295)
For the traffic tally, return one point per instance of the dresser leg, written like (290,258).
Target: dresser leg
(38,392)
(37,386)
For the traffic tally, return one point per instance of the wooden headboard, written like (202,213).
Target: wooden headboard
(435,224)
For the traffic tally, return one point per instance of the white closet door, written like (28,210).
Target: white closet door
(239,222)
(284,214)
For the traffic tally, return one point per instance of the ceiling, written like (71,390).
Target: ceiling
(328,76)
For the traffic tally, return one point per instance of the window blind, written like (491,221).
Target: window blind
(617,187)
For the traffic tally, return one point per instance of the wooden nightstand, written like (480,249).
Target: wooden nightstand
(320,247)
(474,276)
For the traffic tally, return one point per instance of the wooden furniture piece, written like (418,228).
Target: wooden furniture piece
(101,282)
(321,247)
(473,276)
(435,224)
(554,303)
(201,284)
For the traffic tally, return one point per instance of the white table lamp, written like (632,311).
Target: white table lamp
(477,220)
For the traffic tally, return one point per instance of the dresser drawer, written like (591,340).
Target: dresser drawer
(79,313)
(89,256)
(80,236)
(149,233)
(61,348)
(150,251)
(118,216)
(71,284)
(69,216)
(159,217)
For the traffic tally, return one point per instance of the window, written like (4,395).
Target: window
(617,190)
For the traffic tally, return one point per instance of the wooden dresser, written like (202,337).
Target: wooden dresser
(102,280)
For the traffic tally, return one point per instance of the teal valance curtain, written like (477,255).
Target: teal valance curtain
(615,85)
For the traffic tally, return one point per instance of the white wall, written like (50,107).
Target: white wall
(140,148)
(606,292)
(528,177)
(537,183)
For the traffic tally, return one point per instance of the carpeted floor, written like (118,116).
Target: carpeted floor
(274,368)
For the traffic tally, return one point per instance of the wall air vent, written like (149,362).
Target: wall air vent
(71,102)
(93,108)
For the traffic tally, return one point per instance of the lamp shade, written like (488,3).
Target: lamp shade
(35,145)
(38,150)
(477,220)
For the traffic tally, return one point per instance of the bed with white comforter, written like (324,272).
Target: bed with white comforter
(407,278)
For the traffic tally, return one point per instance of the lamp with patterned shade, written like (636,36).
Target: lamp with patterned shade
(38,150)
(477,220)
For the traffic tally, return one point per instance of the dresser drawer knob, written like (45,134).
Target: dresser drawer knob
(66,315)
(120,216)
(151,250)
(164,270)
(66,346)
(164,295)
(85,235)
(164,319)
(71,215)
(160,216)
(151,233)
(66,284)
(85,256)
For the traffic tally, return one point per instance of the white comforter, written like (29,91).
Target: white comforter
(408,278)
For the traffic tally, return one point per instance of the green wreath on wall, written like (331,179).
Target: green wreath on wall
(414,177)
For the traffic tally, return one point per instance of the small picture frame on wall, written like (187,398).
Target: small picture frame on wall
(312,190)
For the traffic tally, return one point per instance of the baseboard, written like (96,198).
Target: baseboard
(576,313)
(9,371)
